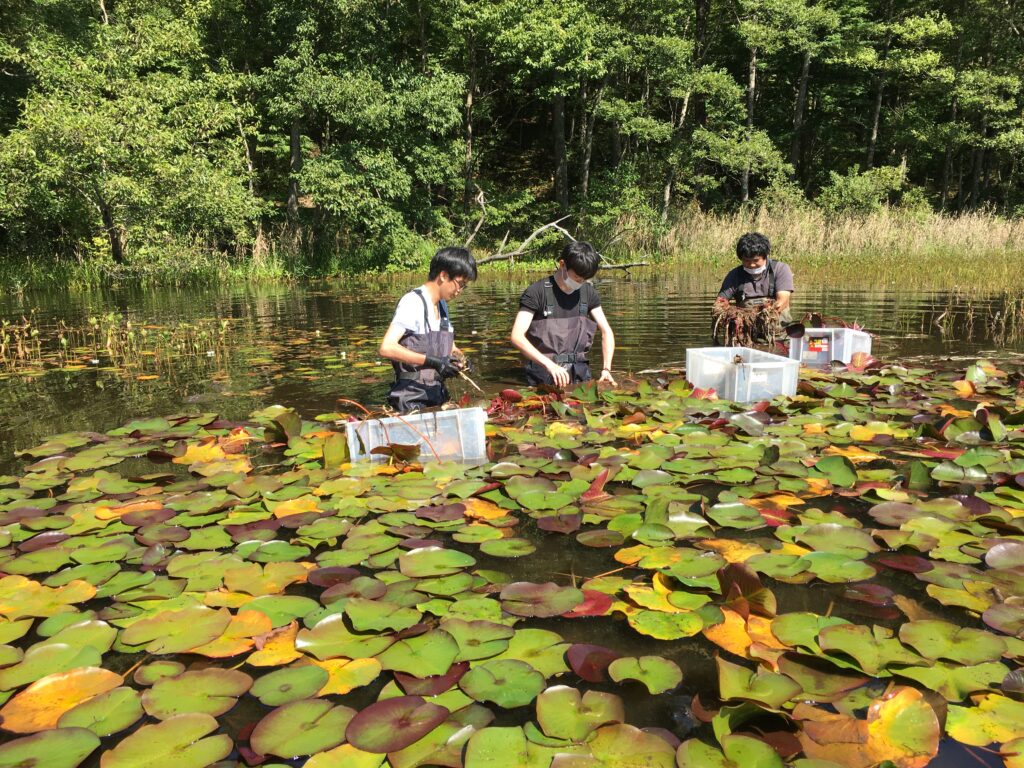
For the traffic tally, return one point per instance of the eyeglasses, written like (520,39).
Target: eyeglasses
(461,282)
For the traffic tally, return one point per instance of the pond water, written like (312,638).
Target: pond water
(305,345)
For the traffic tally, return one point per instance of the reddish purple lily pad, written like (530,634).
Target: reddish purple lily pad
(594,604)
(591,661)
(560,523)
(394,724)
(433,685)
(524,598)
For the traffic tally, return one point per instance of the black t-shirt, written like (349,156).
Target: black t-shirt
(566,304)
(756,286)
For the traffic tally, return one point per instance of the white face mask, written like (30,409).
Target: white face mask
(757,271)
(570,285)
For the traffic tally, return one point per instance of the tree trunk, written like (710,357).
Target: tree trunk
(670,175)
(588,142)
(113,232)
(873,142)
(751,89)
(294,168)
(467,168)
(947,164)
(977,166)
(561,166)
(798,111)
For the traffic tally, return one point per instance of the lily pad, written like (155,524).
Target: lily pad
(524,598)
(105,714)
(433,561)
(563,713)
(394,724)
(658,674)
(507,683)
(209,691)
(177,631)
(302,727)
(174,743)
(59,748)
(289,684)
(431,653)
(942,640)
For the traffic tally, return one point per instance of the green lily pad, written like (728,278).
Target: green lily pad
(942,640)
(666,626)
(57,748)
(150,673)
(738,751)
(330,639)
(657,673)
(508,547)
(431,653)
(477,639)
(540,648)
(563,713)
(955,682)
(175,743)
(769,688)
(302,727)
(105,714)
(394,724)
(433,561)
(289,684)
(995,719)
(872,651)
(507,683)
(45,659)
(626,746)
(210,691)
(497,748)
(379,615)
(177,631)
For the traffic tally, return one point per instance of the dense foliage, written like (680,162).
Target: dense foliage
(132,128)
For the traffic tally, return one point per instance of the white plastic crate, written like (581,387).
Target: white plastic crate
(820,346)
(456,435)
(741,374)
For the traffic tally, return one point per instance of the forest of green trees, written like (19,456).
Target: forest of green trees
(359,132)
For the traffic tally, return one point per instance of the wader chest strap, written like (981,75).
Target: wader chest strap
(549,300)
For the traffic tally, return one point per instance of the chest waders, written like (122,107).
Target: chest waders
(417,387)
(566,340)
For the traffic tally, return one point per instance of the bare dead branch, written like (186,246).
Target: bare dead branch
(480,222)
(557,226)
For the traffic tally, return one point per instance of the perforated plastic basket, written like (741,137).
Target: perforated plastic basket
(741,374)
(456,435)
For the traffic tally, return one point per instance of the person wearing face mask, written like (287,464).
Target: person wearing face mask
(557,319)
(759,280)
(420,342)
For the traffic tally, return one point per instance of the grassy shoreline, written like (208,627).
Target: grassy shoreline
(891,248)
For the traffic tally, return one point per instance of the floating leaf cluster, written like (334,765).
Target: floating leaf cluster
(848,564)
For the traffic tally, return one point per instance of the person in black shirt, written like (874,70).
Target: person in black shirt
(557,319)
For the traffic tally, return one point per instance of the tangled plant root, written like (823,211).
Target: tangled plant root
(745,326)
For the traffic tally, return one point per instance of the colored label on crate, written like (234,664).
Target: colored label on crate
(817,345)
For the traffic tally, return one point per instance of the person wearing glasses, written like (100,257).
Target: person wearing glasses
(758,280)
(420,342)
(557,318)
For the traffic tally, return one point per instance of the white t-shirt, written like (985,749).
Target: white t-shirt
(409,313)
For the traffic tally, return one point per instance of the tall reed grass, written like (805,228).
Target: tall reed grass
(889,247)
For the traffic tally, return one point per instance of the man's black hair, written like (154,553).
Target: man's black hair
(457,262)
(753,244)
(581,258)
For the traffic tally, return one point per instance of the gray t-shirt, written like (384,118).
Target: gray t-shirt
(755,286)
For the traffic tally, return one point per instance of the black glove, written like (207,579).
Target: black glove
(443,365)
